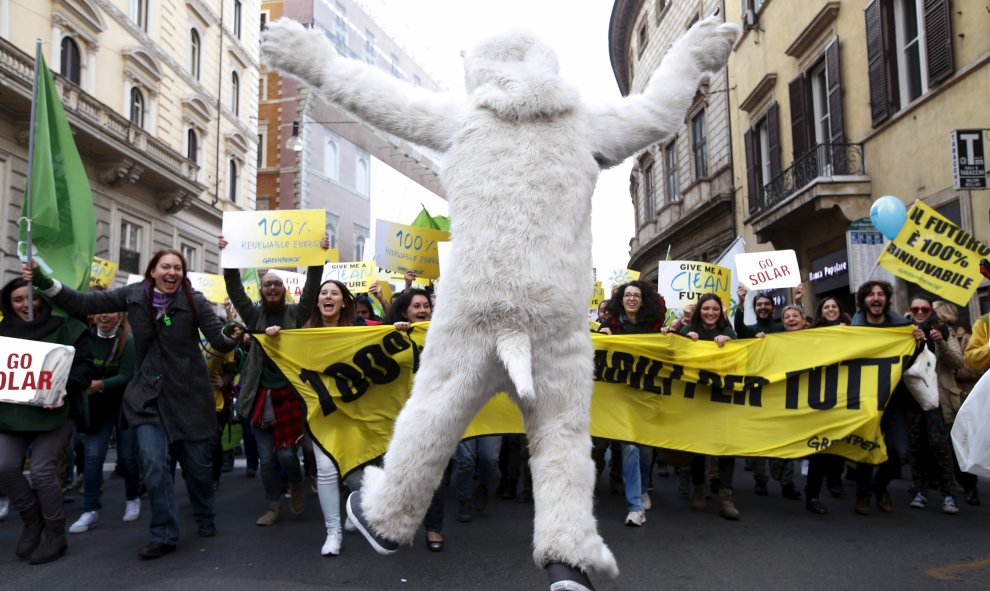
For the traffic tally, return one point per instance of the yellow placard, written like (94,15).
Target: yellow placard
(936,254)
(682,282)
(399,247)
(785,396)
(386,290)
(102,272)
(597,296)
(212,287)
(357,276)
(400,278)
(276,238)
(620,276)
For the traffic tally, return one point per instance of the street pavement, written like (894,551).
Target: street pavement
(777,544)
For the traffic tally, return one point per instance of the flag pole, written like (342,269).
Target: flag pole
(26,207)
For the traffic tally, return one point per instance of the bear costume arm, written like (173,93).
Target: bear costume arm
(416,115)
(637,121)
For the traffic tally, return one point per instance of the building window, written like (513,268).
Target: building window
(139,13)
(232,181)
(417,81)
(191,254)
(340,29)
(264,20)
(331,159)
(649,194)
(332,232)
(131,246)
(394,66)
(908,51)
(359,248)
(137,107)
(70,63)
(261,150)
(644,38)
(816,104)
(192,145)
(362,175)
(699,138)
(235,93)
(672,184)
(762,145)
(236,19)
(369,47)
(195,50)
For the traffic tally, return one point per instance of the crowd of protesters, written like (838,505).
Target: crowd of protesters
(161,375)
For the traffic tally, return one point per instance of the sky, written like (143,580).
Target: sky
(435,31)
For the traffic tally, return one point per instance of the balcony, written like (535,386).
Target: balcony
(827,177)
(116,149)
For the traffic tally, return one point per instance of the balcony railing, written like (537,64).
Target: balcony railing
(821,162)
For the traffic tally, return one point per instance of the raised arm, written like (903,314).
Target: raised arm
(417,115)
(637,121)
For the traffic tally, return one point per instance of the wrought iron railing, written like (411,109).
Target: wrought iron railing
(822,161)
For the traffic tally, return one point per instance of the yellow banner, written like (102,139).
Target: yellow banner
(786,396)
(278,238)
(399,247)
(102,272)
(936,254)
(358,276)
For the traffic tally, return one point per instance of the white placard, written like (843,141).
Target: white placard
(293,283)
(278,238)
(772,269)
(33,372)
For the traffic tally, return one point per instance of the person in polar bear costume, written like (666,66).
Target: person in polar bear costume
(522,156)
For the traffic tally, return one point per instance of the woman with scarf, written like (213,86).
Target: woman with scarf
(170,400)
(45,431)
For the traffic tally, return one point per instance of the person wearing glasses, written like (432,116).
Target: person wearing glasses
(266,399)
(929,446)
(635,308)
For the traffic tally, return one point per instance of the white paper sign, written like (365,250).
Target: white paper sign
(279,238)
(768,270)
(293,283)
(33,372)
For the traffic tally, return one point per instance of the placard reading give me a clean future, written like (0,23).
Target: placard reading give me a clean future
(280,238)
(773,269)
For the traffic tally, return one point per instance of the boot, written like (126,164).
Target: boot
(31,535)
(698,502)
(727,510)
(53,544)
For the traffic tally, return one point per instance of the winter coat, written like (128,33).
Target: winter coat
(171,386)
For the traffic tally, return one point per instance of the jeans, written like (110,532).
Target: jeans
(636,467)
(479,453)
(197,470)
(726,470)
(434,514)
(286,457)
(328,489)
(95,446)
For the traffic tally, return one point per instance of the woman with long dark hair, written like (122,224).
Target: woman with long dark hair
(170,401)
(43,431)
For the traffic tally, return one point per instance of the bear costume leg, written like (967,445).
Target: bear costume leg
(564,526)
(451,386)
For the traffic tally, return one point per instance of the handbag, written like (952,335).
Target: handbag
(971,431)
(922,381)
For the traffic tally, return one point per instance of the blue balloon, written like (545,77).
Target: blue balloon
(888,214)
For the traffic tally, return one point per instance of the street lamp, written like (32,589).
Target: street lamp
(295,142)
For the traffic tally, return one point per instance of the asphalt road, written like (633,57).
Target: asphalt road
(776,545)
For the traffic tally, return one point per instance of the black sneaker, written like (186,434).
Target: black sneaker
(760,489)
(381,545)
(464,514)
(790,492)
(564,577)
(207,530)
(973,498)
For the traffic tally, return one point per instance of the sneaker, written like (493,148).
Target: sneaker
(564,577)
(349,526)
(480,498)
(250,472)
(647,502)
(949,505)
(464,512)
(380,544)
(636,518)
(973,498)
(297,497)
(270,517)
(132,510)
(760,489)
(920,501)
(331,547)
(789,491)
(85,522)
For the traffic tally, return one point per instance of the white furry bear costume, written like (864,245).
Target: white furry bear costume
(523,155)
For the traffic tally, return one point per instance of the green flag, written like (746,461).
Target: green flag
(60,206)
(425,220)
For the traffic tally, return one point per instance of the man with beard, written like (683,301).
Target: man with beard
(873,309)
(764,308)
(266,399)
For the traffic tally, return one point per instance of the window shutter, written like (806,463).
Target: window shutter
(799,119)
(773,130)
(938,40)
(752,165)
(834,79)
(876,61)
